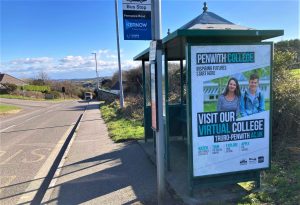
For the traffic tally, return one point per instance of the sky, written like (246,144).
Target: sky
(58,36)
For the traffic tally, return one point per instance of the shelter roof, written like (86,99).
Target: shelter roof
(208,28)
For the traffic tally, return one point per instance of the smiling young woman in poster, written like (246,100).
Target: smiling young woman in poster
(230,99)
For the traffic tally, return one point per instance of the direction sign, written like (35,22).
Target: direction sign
(137,19)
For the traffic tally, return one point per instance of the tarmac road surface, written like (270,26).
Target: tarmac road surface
(29,143)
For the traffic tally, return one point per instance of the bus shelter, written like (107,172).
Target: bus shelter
(192,47)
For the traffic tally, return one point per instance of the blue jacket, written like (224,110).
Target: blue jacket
(247,107)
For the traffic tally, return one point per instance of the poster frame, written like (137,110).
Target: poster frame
(189,109)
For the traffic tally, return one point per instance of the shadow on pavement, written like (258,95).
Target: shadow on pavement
(126,170)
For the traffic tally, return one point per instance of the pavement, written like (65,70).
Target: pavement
(95,170)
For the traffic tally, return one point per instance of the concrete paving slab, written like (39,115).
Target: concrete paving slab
(177,178)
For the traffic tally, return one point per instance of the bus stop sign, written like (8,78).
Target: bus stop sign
(137,19)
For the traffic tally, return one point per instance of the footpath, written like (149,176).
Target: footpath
(95,170)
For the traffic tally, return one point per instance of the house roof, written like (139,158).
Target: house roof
(5,78)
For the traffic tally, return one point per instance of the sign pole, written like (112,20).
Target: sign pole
(119,58)
(160,138)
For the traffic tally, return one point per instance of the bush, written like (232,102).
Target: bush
(174,82)
(9,88)
(56,95)
(72,90)
(134,80)
(286,104)
(29,94)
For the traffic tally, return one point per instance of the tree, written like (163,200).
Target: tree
(286,104)
(291,46)
(41,78)
(133,80)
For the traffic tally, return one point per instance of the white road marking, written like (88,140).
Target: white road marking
(17,117)
(20,123)
(34,186)
(2,153)
(48,111)
(30,119)
(11,157)
(52,184)
(39,155)
(7,128)
(30,113)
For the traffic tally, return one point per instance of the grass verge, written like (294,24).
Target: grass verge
(279,185)
(120,126)
(4,109)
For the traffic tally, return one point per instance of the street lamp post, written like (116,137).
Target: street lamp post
(95,54)
(119,58)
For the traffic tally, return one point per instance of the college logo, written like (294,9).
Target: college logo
(141,1)
(261,159)
(243,162)
(252,160)
(225,57)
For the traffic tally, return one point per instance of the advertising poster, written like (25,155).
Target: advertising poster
(230,108)
(137,19)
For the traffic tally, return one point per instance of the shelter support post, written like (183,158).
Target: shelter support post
(181,82)
(167,122)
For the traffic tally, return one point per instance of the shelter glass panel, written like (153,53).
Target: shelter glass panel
(174,82)
(147,84)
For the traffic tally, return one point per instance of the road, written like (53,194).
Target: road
(30,141)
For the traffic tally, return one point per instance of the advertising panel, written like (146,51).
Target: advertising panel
(230,108)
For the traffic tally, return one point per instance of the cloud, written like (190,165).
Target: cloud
(31,60)
(106,63)
(105,51)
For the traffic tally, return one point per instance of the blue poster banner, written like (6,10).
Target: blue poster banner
(137,25)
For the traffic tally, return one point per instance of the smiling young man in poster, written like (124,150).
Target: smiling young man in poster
(252,100)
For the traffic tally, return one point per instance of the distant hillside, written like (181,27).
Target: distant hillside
(84,79)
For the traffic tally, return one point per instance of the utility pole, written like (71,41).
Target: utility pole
(119,58)
(160,134)
(95,54)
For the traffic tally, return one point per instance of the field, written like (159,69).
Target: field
(39,88)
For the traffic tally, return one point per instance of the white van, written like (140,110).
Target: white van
(88,96)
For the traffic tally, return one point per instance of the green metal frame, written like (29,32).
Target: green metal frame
(229,177)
